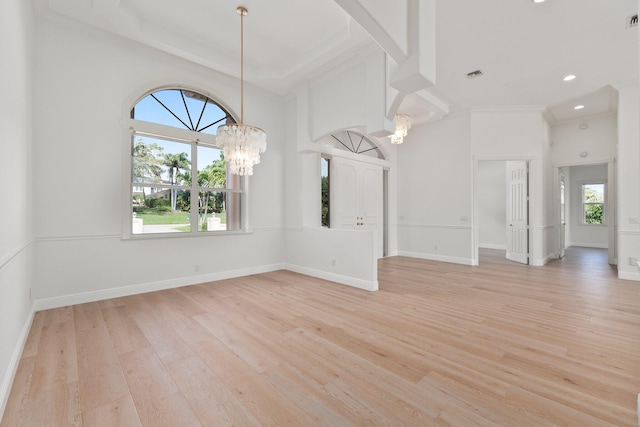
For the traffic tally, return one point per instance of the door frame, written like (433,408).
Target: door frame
(512,253)
(559,230)
(475,229)
(382,240)
(610,205)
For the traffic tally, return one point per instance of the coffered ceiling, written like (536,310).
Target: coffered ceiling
(523,49)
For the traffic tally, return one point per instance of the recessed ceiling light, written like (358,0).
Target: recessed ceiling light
(538,1)
(578,107)
(569,77)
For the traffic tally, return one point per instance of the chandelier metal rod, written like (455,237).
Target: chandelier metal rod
(243,12)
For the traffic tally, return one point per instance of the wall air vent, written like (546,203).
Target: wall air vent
(632,21)
(474,74)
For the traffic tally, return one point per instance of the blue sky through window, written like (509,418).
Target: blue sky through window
(150,109)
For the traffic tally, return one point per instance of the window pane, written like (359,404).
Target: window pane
(162,161)
(212,168)
(182,109)
(152,212)
(594,213)
(562,205)
(593,193)
(593,203)
(168,172)
(218,211)
(324,195)
(147,161)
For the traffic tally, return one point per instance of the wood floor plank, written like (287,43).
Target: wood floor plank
(120,412)
(56,362)
(254,392)
(499,344)
(162,336)
(17,404)
(58,406)
(158,400)
(210,399)
(33,339)
(124,333)
(314,399)
(98,364)
(87,316)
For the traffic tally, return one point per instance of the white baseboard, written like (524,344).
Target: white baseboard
(85,297)
(589,245)
(81,298)
(629,275)
(10,374)
(492,246)
(344,280)
(433,257)
(545,260)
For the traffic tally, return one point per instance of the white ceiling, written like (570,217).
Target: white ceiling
(523,49)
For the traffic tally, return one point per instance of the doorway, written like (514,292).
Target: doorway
(501,209)
(357,198)
(354,193)
(585,208)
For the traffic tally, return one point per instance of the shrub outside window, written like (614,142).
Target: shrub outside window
(180,182)
(593,203)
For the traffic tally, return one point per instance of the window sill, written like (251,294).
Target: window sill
(153,236)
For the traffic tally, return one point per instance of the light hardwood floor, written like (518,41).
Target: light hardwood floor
(440,344)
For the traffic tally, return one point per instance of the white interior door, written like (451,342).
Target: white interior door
(563,221)
(517,212)
(371,213)
(357,197)
(344,193)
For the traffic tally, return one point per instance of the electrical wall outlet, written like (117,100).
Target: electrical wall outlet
(633,261)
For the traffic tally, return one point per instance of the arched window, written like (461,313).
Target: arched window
(352,141)
(179,178)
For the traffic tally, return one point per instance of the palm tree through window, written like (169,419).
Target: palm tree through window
(178,183)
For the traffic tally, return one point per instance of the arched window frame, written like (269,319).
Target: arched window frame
(133,127)
(345,143)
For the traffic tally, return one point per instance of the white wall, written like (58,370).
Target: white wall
(313,113)
(342,256)
(16,190)
(339,102)
(350,96)
(436,204)
(86,81)
(628,182)
(521,134)
(596,137)
(598,140)
(547,243)
(595,236)
(434,191)
(492,204)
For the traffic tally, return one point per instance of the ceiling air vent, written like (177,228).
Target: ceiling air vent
(632,21)
(474,74)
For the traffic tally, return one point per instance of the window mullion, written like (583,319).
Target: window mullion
(158,167)
(195,209)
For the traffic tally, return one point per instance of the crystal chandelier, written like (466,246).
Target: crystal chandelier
(403,124)
(241,144)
